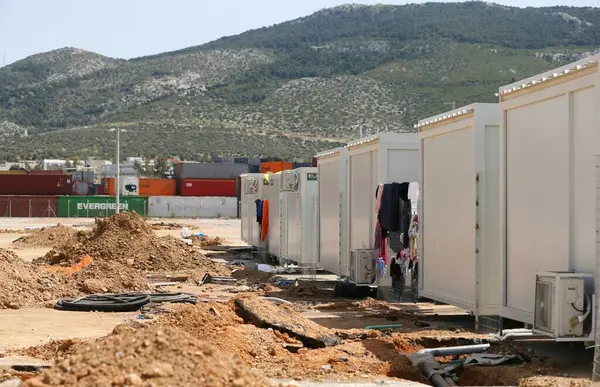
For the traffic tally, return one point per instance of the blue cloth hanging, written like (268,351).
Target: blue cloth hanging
(380,267)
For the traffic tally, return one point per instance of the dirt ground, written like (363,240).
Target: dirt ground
(28,327)
(215,343)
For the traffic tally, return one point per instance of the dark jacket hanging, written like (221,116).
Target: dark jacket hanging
(389,213)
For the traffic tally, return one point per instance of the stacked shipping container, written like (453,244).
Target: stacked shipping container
(35,184)
(204,180)
(215,186)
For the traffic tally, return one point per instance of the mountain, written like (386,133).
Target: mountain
(287,90)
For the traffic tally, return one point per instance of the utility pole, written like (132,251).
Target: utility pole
(4,59)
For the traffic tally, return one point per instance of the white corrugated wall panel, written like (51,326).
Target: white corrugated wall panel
(537,192)
(460,207)
(449,216)
(251,190)
(362,200)
(274,229)
(490,258)
(192,207)
(586,146)
(329,214)
(550,140)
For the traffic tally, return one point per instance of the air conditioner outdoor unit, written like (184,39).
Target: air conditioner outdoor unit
(290,181)
(562,308)
(251,185)
(362,269)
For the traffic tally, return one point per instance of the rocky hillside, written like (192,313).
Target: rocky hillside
(288,90)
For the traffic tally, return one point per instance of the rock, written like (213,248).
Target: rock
(93,286)
(35,382)
(130,261)
(133,380)
(158,370)
(12,383)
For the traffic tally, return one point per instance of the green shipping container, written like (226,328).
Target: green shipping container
(99,206)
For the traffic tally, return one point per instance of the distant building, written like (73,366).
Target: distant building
(53,164)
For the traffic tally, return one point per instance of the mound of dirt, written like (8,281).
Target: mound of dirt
(156,355)
(55,350)
(25,285)
(127,239)
(200,318)
(271,352)
(548,381)
(110,277)
(206,241)
(534,374)
(47,237)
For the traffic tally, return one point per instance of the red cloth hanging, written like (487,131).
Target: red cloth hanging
(265,220)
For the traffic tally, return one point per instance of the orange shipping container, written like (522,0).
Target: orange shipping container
(274,166)
(108,183)
(158,187)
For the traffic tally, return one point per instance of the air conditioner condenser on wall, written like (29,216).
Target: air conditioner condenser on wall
(362,269)
(562,308)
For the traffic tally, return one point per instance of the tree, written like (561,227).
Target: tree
(162,166)
(139,168)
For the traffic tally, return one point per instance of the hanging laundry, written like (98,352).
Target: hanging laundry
(405,221)
(380,267)
(389,213)
(378,194)
(265,220)
(376,244)
(259,210)
(413,232)
(379,246)
(384,252)
(395,241)
(378,236)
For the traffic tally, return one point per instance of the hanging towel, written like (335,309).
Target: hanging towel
(378,236)
(378,194)
(265,220)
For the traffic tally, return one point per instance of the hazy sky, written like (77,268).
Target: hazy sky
(131,28)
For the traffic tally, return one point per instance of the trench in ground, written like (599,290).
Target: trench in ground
(547,359)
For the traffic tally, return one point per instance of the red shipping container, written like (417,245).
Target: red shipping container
(194,187)
(35,184)
(28,206)
(42,172)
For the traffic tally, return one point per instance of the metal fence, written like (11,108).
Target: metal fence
(28,208)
